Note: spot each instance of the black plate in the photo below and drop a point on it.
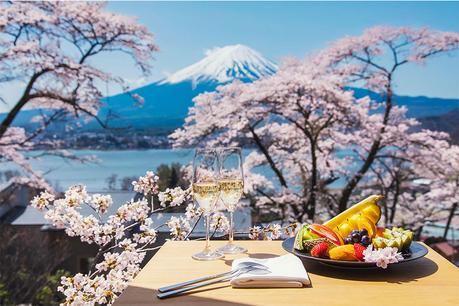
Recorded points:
(417, 251)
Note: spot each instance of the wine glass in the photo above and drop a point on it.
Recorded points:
(231, 181)
(206, 191)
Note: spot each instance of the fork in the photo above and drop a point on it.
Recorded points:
(243, 265)
(230, 274)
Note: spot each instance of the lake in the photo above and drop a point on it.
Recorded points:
(62, 173)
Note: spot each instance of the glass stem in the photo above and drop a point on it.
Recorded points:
(231, 228)
(207, 249)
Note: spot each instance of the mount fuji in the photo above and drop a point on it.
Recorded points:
(166, 102)
(225, 64)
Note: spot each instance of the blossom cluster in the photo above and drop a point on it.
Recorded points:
(219, 222)
(192, 211)
(174, 196)
(272, 231)
(101, 203)
(43, 200)
(111, 277)
(123, 237)
(382, 257)
(147, 184)
(180, 228)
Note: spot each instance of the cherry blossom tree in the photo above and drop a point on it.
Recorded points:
(435, 195)
(51, 49)
(372, 60)
(411, 167)
(296, 103)
(309, 130)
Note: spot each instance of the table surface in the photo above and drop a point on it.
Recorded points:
(431, 280)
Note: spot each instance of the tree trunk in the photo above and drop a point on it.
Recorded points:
(265, 152)
(311, 205)
(417, 234)
(6, 123)
(450, 217)
(375, 147)
(385, 208)
(394, 204)
(273, 165)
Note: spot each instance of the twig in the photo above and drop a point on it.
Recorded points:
(194, 226)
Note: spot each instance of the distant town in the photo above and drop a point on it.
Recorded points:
(119, 139)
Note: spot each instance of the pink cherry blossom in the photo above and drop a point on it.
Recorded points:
(304, 125)
(51, 47)
(179, 227)
(382, 257)
(148, 184)
(123, 238)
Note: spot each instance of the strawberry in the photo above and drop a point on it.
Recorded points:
(358, 250)
(320, 250)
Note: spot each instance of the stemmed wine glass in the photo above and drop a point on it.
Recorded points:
(206, 192)
(231, 181)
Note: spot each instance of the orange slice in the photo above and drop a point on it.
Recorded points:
(343, 252)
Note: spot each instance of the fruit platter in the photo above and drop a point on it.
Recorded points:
(353, 239)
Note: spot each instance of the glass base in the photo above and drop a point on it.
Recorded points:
(232, 249)
(207, 255)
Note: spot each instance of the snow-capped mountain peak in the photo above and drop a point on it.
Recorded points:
(224, 65)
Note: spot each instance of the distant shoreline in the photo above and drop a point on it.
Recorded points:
(107, 149)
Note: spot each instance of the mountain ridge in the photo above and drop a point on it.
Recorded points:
(167, 101)
(448, 122)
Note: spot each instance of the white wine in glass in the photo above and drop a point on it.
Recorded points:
(231, 192)
(231, 181)
(206, 195)
(206, 192)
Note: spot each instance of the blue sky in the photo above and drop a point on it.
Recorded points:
(184, 30)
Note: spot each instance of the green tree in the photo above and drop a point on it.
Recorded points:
(171, 176)
(48, 294)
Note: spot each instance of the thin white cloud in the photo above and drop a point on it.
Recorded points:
(209, 51)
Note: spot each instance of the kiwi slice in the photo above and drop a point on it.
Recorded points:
(378, 242)
(407, 238)
(298, 245)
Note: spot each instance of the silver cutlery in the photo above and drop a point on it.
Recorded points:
(177, 289)
(180, 285)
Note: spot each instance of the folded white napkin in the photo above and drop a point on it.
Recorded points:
(283, 272)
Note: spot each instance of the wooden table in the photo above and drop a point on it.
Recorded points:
(429, 281)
